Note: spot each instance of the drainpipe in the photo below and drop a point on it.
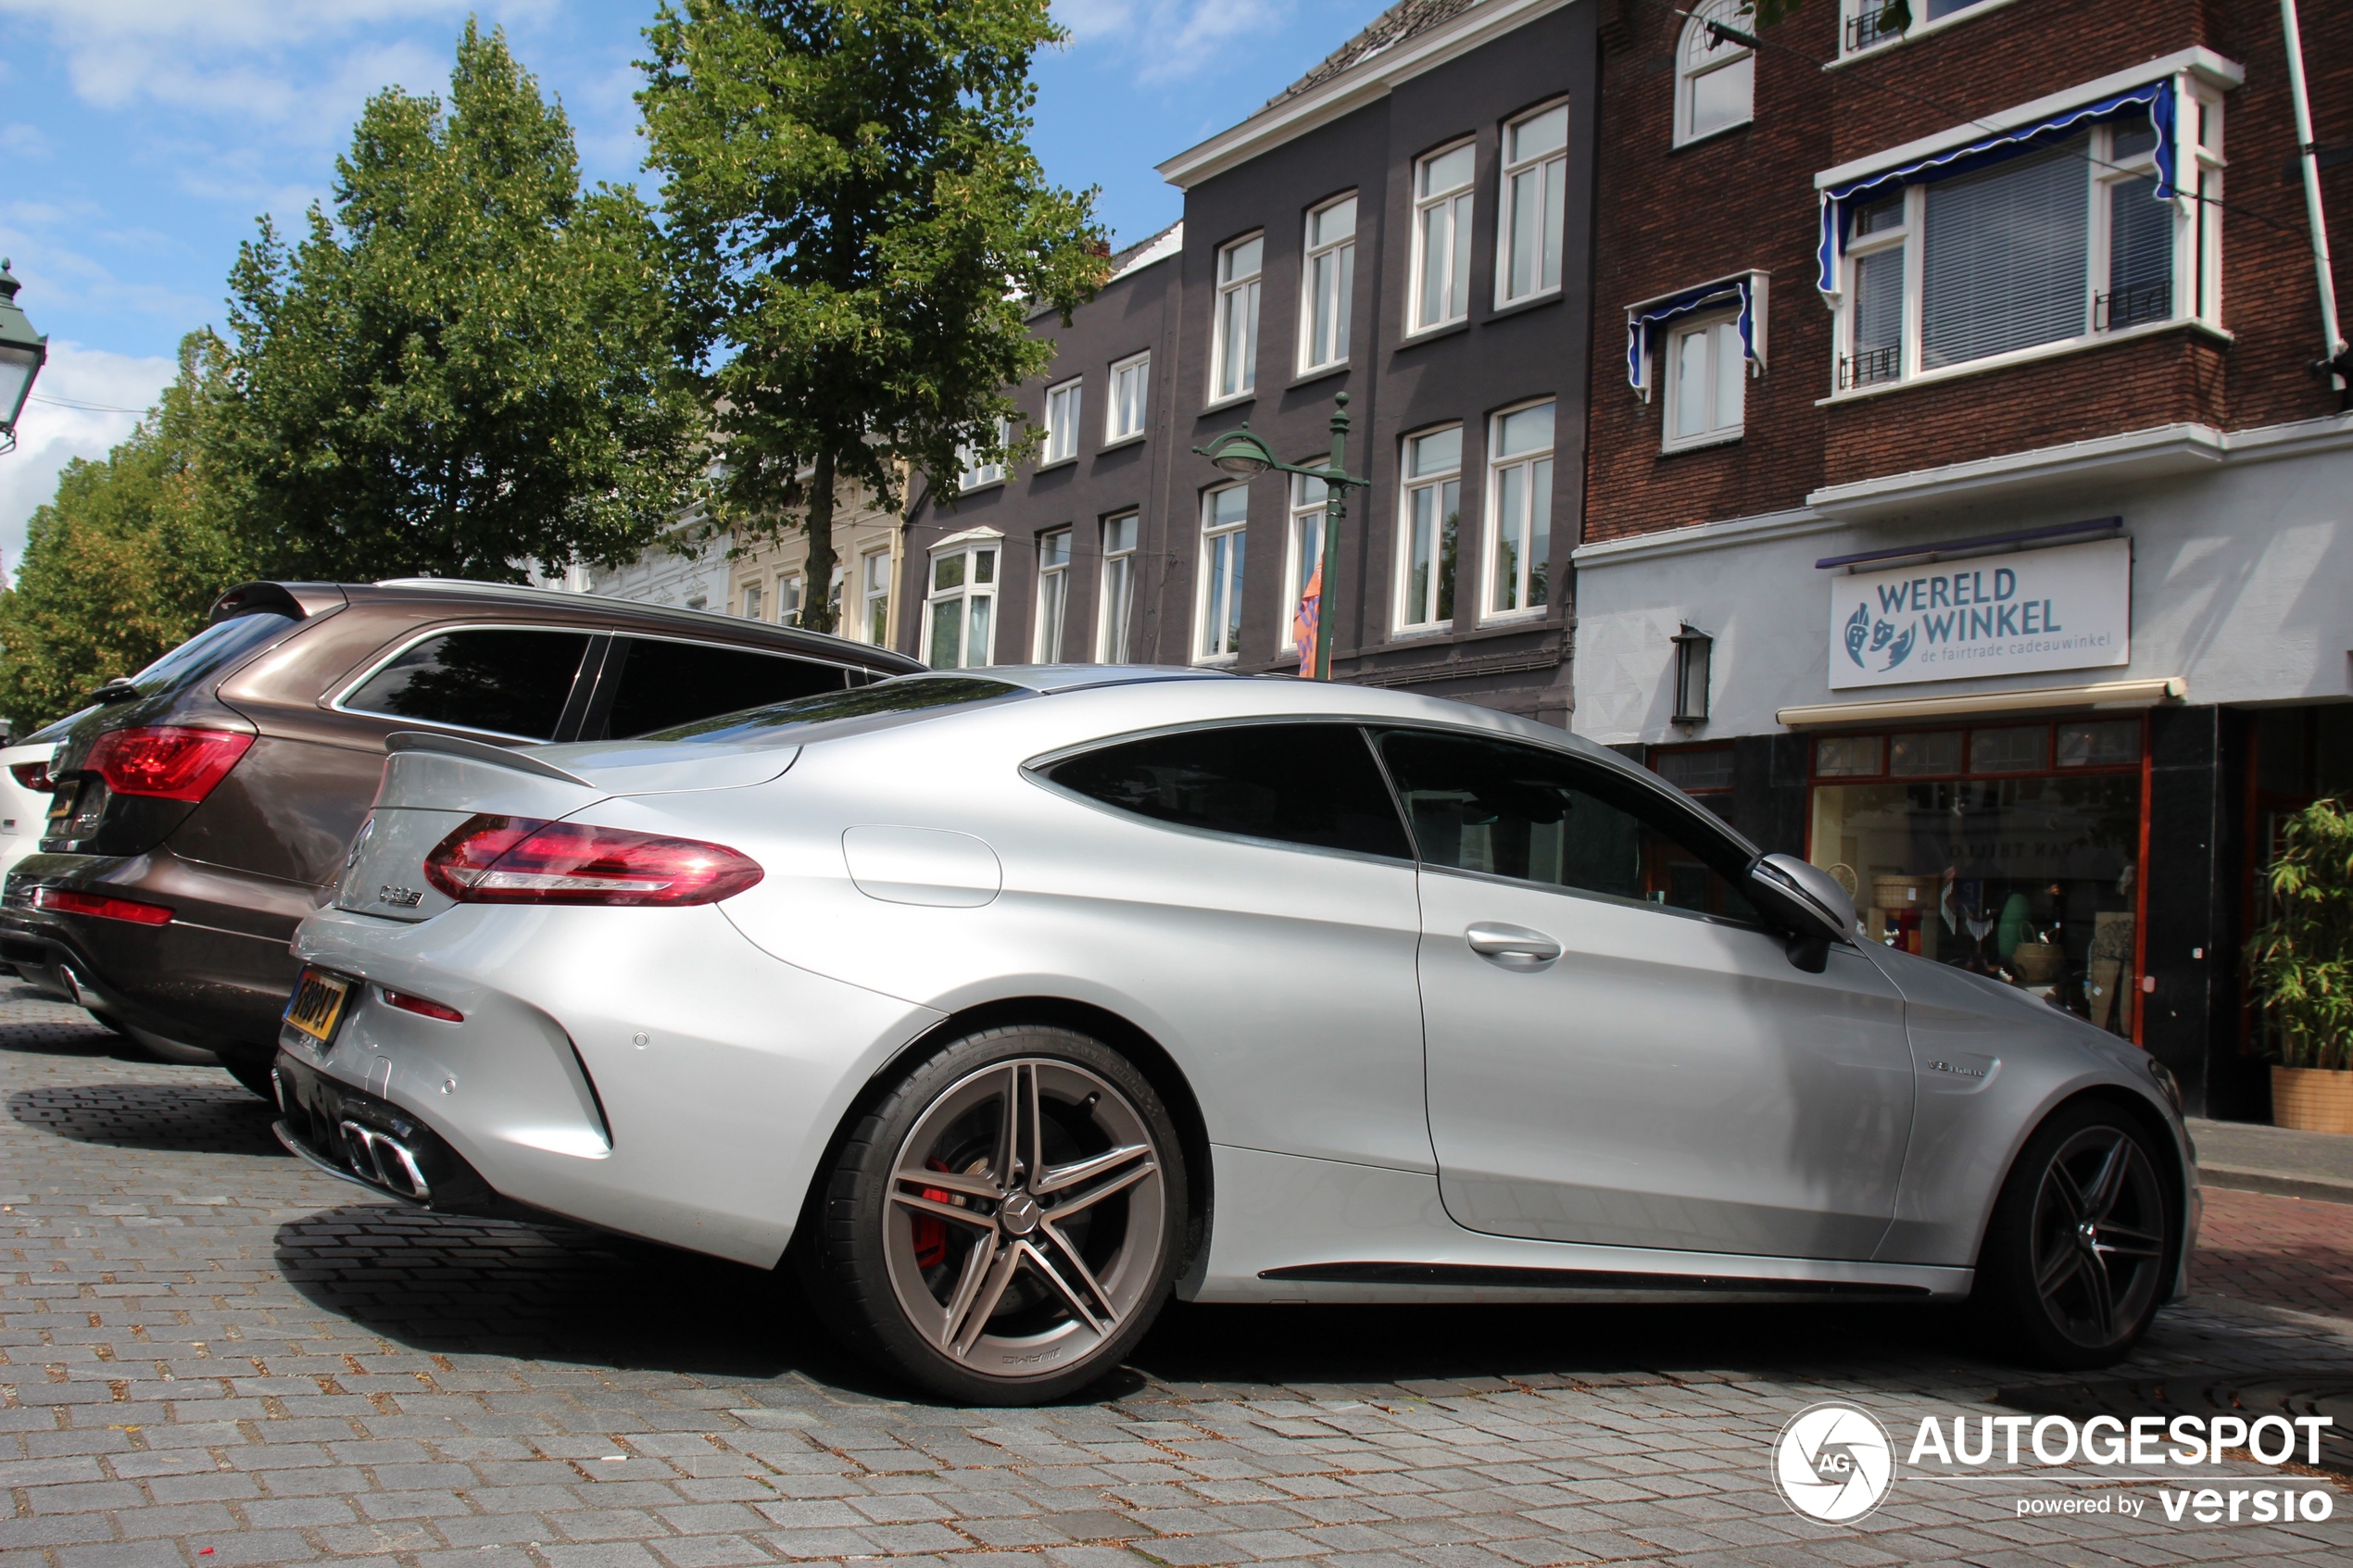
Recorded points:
(2309, 159)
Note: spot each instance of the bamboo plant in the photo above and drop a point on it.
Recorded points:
(2300, 963)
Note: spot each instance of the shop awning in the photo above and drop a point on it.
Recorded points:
(2033, 699)
(2155, 98)
(1746, 289)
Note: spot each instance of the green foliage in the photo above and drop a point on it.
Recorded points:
(124, 564)
(468, 367)
(2301, 961)
(858, 233)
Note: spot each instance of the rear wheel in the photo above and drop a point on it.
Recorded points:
(2076, 1256)
(1004, 1225)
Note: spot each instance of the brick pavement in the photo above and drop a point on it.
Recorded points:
(213, 1356)
(2287, 1251)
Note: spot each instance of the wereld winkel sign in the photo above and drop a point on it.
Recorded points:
(2065, 609)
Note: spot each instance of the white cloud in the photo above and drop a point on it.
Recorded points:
(1168, 40)
(23, 142)
(49, 436)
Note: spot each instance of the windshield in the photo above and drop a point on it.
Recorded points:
(909, 696)
(210, 650)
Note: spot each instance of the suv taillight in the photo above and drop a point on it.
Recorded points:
(167, 761)
(523, 860)
(33, 776)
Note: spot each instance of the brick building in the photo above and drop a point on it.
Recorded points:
(1966, 513)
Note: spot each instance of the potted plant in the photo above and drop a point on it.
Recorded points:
(2300, 967)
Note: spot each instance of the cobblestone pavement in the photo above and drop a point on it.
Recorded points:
(215, 1356)
(2287, 1251)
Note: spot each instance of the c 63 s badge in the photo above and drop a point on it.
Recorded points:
(1833, 1462)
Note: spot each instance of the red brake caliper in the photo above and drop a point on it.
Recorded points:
(931, 1233)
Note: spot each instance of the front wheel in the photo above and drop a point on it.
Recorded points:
(1004, 1225)
(2076, 1256)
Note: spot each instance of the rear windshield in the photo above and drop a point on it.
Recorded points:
(909, 696)
(213, 648)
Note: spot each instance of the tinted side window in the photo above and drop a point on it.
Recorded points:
(213, 648)
(514, 682)
(664, 683)
(1481, 805)
(1301, 784)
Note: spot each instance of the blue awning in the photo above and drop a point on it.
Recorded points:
(1838, 201)
(1746, 289)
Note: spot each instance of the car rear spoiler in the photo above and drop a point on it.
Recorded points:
(299, 601)
(516, 761)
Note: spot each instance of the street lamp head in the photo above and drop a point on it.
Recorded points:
(22, 353)
(1239, 453)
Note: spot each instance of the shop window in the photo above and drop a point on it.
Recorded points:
(2023, 867)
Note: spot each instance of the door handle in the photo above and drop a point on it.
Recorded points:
(1514, 945)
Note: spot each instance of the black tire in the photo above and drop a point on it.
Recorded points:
(981, 1290)
(162, 1046)
(2084, 1240)
(253, 1072)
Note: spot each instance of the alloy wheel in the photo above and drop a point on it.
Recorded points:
(1025, 1217)
(2098, 1236)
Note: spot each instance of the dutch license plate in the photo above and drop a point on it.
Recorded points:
(318, 1003)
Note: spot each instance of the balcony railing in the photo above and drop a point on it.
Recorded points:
(2130, 306)
(1863, 30)
(1868, 366)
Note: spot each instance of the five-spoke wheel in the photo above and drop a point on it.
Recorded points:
(1005, 1223)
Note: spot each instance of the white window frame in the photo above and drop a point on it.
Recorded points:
(1302, 547)
(1671, 352)
(976, 474)
(1462, 202)
(1695, 58)
(1405, 615)
(1552, 221)
(1238, 292)
(983, 553)
(1214, 589)
(875, 574)
(1115, 611)
(1065, 406)
(751, 597)
(1053, 597)
(1850, 10)
(789, 590)
(2197, 272)
(1492, 530)
(1141, 365)
(1341, 253)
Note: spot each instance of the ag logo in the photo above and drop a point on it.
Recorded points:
(1833, 1462)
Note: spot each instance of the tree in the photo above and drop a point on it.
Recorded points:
(468, 367)
(859, 232)
(125, 563)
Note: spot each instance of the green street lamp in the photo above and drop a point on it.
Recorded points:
(1245, 456)
(22, 353)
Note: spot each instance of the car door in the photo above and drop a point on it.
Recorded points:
(1620, 1052)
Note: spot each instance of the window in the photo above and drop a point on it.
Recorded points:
(1234, 354)
(1433, 512)
(1061, 420)
(1225, 517)
(1521, 811)
(1870, 23)
(661, 683)
(2049, 247)
(1304, 550)
(788, 600)
(980, 471)
(751, 601)
(1706, 382)
(1328, 282)
(506, 680)
(874, 577)
(1119, 589)
(1705, 769)
(1519, 483)
(1315, 785)
(958, 612)
(1535, 187)
(1714, 78)
(1442, 238)
(1053, 594)
(1131, 381)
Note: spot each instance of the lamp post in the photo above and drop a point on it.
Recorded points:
(22, 353)
(1245, 456)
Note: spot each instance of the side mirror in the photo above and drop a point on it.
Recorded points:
(1806, 903)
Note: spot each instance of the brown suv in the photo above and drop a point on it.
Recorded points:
(203, 805)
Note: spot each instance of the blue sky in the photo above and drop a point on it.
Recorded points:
(139, 139)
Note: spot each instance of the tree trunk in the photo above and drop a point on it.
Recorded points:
(817, 600)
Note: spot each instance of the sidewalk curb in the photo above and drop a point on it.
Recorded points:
(2278, 1184)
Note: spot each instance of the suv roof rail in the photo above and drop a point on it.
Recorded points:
(299, 601)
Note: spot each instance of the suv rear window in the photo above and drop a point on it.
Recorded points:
(506, 680)
(664, 683)
(213, 648)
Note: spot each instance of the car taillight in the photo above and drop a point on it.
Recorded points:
(167, 761)
(33, 776)
(423, 1008)
(64, 901)
(522, 860)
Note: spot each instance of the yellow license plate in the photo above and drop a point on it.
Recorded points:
(318, 1002)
